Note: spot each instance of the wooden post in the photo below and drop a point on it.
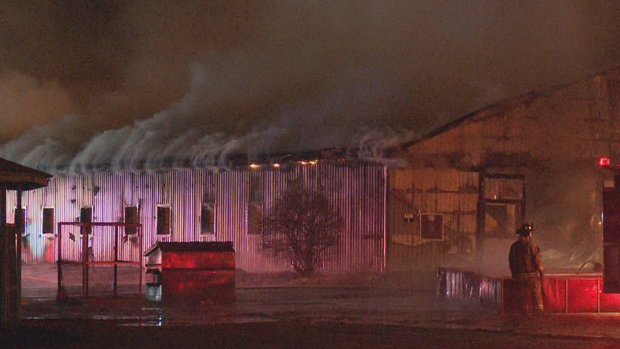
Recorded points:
(140, 259)
(480, 218)
(4, 265)
(84, 260)
(59, 293)
(19, 231)
(115, 258)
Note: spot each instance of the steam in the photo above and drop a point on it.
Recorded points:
(373, 147)
(566, 205)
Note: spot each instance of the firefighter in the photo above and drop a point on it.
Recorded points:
(527, 271)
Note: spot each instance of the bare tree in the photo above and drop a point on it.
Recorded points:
(301, 226)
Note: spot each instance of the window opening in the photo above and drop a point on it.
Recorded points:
(86, 216)
(207, 219)
(163, 220)
(48, 221)
(131, 217)
(431, 226)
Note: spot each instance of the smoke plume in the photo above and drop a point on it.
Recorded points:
(133, 82)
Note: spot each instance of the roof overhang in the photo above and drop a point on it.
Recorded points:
(16, 176)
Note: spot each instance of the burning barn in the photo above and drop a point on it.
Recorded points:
(462, 193)
(226, 203)
(471, 183)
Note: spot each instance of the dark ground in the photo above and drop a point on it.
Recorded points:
(284, 311)
(281, 334)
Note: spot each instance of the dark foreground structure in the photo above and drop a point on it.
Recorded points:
(288, 334)
(16, 178)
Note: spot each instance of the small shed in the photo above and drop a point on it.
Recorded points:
(190, 272)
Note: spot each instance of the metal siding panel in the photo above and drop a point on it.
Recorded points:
(71, 212)
(150, 196)
(209, 191)
(355, 189)
(230, 212)
(129, 247)
(35, 246)
(107, 207)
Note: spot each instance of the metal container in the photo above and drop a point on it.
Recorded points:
(194, 272)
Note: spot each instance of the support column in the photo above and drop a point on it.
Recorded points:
(19, 231)
(4, 265)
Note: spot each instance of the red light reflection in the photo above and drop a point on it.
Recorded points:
(604, 162)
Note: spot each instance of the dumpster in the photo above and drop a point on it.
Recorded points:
(190, 272)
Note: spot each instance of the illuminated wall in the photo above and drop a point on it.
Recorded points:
(229, 199)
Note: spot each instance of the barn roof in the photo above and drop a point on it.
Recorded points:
(16, 176)
(498, 108)
(492, 110)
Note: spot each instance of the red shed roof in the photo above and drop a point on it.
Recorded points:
(212, 246)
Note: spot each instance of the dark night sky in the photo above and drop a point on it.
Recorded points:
(110, 81)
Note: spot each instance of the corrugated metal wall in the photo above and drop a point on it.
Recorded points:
(447, 192)
(356, 189)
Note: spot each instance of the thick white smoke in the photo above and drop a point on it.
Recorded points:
(145, 82)
(189, 133)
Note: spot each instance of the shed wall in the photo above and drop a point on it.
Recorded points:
(357, 190)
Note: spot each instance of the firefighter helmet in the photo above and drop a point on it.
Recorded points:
(525, 229)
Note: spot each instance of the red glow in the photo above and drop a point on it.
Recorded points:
(555, 294)
(604, 162)
(582, 295)
(610, 302)
(198, 260)
(564, 295)
(184, 285)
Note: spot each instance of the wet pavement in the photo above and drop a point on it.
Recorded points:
(287, 311)
(384, 306)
